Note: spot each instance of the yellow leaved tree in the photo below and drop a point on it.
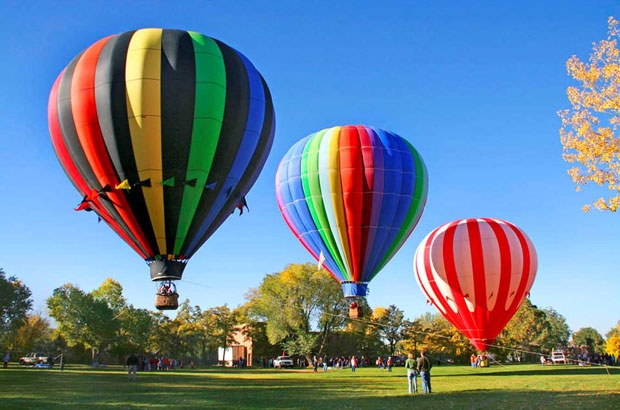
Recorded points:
(589, 127)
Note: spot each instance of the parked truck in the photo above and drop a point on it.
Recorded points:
(33, 359)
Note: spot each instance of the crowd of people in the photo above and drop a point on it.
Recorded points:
(158, 363)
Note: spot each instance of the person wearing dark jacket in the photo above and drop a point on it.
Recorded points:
(132, 367)
(424, 368)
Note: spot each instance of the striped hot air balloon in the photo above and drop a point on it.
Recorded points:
(352, 195)
(163, 132)
(477, 272)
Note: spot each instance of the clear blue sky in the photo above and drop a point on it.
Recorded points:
(475, 86)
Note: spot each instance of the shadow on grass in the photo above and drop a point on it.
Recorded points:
(260, 389)
(548, 370)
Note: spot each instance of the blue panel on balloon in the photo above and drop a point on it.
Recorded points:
(352, 290)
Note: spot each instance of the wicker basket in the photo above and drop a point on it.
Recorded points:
(354, 312)
(167, 302)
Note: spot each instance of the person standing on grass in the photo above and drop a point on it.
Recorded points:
(353, 363)
(424, 368)
(132, 367)
(7, 357)
(412, 374)
(390, 363)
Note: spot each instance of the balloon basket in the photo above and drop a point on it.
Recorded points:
(167, 302)
(354, 311)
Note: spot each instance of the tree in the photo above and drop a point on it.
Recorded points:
(82, 319)
(134, 329)
(590, 337)
(589, 128)
(441, 338)
(559, 332)
(302, 306)
(133, 325)
(165, 338)
(193, 334)
(389, 323)
(15, 303)
(221, 322)
(111, 292)
(528, 330)
(613, 341)
(34, 335)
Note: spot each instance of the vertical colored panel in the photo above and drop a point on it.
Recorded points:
(416, 203)
(85, 116)
(248, 128)
(374, 163)
(351, 179)
(310, 172)
(256, 164)
(111, 103)
(232, 131)
(178, 89)
(207, 124)
(331, 191)
(143, 82)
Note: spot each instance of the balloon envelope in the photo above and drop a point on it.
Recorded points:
(163, 132)
(477, 272)
(352, 195)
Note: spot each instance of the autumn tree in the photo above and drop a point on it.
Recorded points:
(441, 338)
(612, 346)
(34, 335)
(589, 128)
(15, 303)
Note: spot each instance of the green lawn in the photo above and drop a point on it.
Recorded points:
(454, 387)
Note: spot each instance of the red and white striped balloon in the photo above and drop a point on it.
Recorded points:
(477, 272)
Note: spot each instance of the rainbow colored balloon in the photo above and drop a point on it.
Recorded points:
(352, 195)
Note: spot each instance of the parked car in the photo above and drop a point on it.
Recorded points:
(398, 360)
(558, 356)
(283, 361)
(33, 359)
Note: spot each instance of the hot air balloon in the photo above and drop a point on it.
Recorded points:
(163, 132)
(352, 195)
(477, 272)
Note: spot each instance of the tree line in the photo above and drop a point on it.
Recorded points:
(299, 310)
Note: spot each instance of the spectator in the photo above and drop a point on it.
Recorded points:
(132, 367)
(412, 374)
(424, 368)
(353, 363)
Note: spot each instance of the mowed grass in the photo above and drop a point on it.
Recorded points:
(454, 387)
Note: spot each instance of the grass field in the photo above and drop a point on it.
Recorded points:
(454, 387)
